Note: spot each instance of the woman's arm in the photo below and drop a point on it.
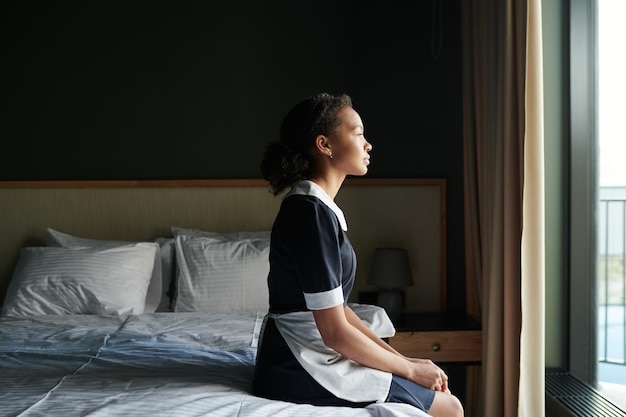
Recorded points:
(346, 333)
(357, 322)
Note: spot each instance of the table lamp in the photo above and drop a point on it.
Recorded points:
(390, 271)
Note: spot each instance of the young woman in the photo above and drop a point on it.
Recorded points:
(314, 349)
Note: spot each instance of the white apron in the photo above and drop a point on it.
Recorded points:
(341, 376)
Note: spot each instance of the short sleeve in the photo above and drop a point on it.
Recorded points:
(315, 250)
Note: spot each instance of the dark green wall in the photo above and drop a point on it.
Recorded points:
(195, 89)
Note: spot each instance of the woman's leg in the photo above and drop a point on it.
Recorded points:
(435, 403)
(446, 405)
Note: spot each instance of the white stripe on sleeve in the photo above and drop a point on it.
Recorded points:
(325, 299)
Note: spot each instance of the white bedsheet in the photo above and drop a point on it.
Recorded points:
(159, 364)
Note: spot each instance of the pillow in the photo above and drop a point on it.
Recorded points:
(157, 297)
(168, 271)
(265, 234)
(222, 276)
(56, 280)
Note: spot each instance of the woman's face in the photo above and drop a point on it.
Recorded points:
(350, 149)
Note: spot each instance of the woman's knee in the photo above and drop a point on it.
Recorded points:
(446, 405)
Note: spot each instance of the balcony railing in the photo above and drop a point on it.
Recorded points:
(612, 276)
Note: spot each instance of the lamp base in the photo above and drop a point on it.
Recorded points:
(392, 300)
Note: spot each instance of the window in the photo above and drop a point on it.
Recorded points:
(597, 217)
(611, 215)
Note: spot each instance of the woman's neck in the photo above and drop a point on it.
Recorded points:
(329, 184)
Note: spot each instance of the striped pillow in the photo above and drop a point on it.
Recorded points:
(56, 280)
(156, 297)
(222, 275)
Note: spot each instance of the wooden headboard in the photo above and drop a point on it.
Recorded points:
(407, 213)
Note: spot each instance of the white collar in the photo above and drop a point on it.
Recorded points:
(307, 187)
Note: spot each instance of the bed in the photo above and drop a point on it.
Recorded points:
(147, 298)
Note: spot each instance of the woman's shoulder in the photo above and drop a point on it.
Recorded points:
(305, 207)
(301, 200)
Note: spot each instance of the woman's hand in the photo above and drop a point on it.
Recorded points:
(425, 373)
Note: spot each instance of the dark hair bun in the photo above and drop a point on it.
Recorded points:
(282, 166)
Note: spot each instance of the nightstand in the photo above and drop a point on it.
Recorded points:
(452, 341)
(441, 337)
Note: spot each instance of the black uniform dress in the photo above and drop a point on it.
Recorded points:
(310, 253)
(312, 266)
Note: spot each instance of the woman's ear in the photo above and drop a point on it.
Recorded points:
(322, 144)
